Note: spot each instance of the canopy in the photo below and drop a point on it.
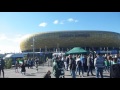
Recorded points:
(76, 50)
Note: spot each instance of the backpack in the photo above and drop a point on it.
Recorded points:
(115, 71)
(79, 64)
(67, 60)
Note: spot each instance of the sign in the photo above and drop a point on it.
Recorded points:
(75, 35)
(41, 54)
(103, 51)
(114, 52)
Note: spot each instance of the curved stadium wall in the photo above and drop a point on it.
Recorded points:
(70, 39)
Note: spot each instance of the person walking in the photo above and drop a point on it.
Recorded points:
(73, 68)
(67, 63)
(23, 70)
(99, 65)
(56, 70)
(2, 65)
(16, 66)
(82, 60)
(85, 63)
(106, 65)
(36, 64)
(90, 65)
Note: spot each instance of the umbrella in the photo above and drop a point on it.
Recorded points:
(76, 50)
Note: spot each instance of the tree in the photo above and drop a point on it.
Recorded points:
(8, 63)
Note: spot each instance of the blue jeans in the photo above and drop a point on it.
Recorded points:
(99, 70)
(89, 70)
(73, 74)
(80, 69)
(67, 66)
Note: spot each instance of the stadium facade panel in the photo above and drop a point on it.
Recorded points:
(70, 39)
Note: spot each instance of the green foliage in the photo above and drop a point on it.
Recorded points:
(8, 63)
(25, 58)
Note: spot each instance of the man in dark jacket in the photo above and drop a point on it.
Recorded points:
(36, 64)
(115, 71)
(90, 64)
(2, 65)
(67, 63)
(73, 68)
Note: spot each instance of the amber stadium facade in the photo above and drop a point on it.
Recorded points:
(65, 40)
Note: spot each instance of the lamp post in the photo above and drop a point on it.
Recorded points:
(33, 46)
(89, 50)
(53, 50)
(40, 49)
(93, 53)
(45, 49)
(107, 50)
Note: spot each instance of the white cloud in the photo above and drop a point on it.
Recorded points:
(70, 19)
(11, 43)
(9, 49)
(56, 22)
(18, 35)
(43, 24)
(3, 37)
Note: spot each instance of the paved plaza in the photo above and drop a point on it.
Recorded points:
(31, 73)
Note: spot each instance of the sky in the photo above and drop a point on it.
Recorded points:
(15, 26)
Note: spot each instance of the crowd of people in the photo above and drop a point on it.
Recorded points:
(80, 64)
(76, 64)
(21, 64)
(29, 63)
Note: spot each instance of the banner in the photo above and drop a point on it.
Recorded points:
(114, 52)
(103, 51)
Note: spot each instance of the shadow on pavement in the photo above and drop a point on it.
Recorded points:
(32, 74)
(41, 72)
(106, 76)
(42, 67)
(67, 75)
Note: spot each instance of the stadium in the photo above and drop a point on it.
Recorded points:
(65, 40)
